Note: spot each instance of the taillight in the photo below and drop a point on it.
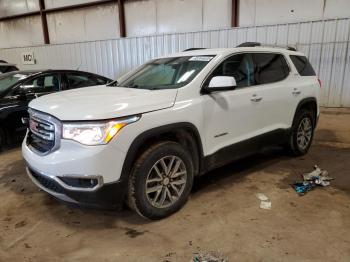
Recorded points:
(319, 82)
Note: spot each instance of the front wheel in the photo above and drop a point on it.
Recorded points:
(302, 133)
(161, 180)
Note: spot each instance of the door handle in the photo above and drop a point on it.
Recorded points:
(296, 91)
(256, 98)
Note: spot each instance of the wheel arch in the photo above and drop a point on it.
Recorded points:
(184, 133)
(307, 103)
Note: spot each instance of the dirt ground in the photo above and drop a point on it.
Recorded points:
(221, 215)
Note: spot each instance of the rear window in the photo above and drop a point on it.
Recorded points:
(302, 65)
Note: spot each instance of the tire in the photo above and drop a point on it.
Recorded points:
(149, 175)
(302, 133)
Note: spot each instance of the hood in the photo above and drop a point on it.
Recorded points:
(103, 102)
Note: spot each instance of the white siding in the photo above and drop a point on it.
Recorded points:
(21, 32)
(179, 16)
(60, 3)
(92, 23)
(141, 18)
(14, 7)
(261, 12)
(216, 14)
(326, 43)
(150, 17)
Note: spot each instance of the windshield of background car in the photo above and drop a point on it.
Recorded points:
(167, 73)
(9, 79)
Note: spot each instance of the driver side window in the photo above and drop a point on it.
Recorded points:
(240, 66)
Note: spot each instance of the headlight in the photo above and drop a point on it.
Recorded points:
(95, 133)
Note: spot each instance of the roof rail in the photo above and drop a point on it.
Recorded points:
(193, 48)
(249, 44)
(291, 48)
(254, 44)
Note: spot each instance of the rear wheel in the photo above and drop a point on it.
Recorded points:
(161, 180)
(302, 133)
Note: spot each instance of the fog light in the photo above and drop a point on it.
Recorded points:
(80, 182)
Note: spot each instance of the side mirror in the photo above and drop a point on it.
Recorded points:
(221, 83)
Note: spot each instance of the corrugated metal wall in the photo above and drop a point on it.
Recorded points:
(325, 42)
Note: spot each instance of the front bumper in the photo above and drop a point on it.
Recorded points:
(75, 161)
(109, 195)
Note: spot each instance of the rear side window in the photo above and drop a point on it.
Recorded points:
(270, 68)
(302, 65)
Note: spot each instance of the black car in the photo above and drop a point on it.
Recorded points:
(6, 67)
(18, 88)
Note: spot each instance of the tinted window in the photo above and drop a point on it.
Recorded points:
(302, 65)
(240, 66)
(6, 69)
(270, 68)
(43, 84)
(77, 80)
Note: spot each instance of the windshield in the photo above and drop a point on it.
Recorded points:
(166, 73)
(9, 79)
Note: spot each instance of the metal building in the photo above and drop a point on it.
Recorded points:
(325, 42)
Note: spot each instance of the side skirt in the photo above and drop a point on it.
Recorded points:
(243, 149)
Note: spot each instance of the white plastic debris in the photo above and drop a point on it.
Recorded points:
(265, 203)
(319, 176)
(262, 197)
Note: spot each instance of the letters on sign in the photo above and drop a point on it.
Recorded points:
(28, 58)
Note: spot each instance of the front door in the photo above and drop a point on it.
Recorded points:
(232, 116)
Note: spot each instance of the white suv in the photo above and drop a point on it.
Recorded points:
(143, 139)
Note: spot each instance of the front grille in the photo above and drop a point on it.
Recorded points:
(47, 182)
(38, 143)
(41, 134)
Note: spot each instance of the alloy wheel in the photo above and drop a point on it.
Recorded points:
(304, 133)
(166, 181)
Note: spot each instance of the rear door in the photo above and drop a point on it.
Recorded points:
(273, 92)
(305, 80)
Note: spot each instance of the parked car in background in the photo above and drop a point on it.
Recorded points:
(18, 88)
(143, 139)
(6, 67)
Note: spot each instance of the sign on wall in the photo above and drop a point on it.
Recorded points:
(28, 58)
